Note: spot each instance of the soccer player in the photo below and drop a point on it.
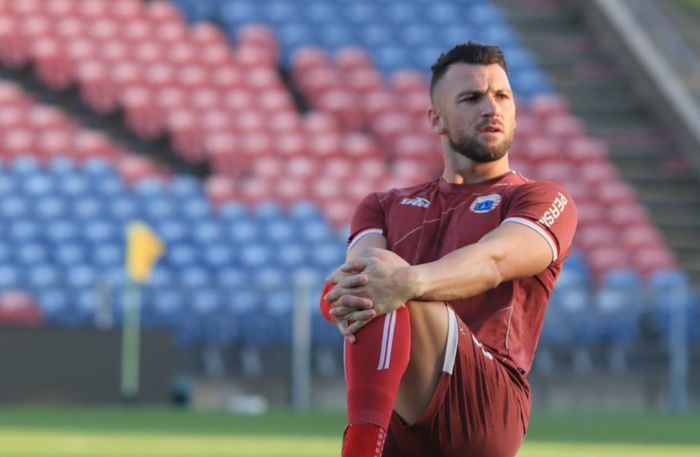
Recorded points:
(444, 290)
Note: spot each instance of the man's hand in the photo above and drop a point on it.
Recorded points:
(375, 282)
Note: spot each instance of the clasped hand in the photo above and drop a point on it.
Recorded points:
(374, 283)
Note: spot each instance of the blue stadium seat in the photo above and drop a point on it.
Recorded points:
(255, 255)
(70, 254)
(43, 276)
(218, 255)
(21, 230)
(172, 230)
(9, 185)
(108, 254)
(49, 208)
(31, 253)
(12, 207)
(243, 232)
(619, 313)
(62, 231)
(193, 277)
(304, 211)
(291, 255)
(207, 231)
(233, 211)
(36, 184)
(280, 232)
(232, 279)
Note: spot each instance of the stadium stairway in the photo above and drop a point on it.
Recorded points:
(598, 91)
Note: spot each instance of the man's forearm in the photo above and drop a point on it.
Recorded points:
(463, 273)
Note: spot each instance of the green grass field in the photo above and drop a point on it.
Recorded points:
(140, 432)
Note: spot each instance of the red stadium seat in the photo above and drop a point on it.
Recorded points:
(599, 173)
(565, 127)
(317, 122)
(360, 146)
(260, 36)
(186, 135)
(17, 142)
(205, 33)
(307, 59)
(626, 214)
(290, 189)
(89, 143)
(325, 145)
(352, 58)
(614, 192)
(160, 12)
(52, 64)
(590, 213)
(545, 105)
(374, 169)
(134, 168)
(339, 211)
(14, 48)
(408, 82)
(222, 150)
(339, 168)
(285, 122)
(62, 8)
(343, 106)
(255, 190)
(290, 145)
(541, 149)
(586, 150)
(54, 143)
(363, 80)
(561, 172)
(126, 10)
(70, 28)
(640, 236)
(603, 259)
(590, 237)
(141, 112)
(650, 260)
(216, 56)
(18, 308)
(417, 104)
(220, 189)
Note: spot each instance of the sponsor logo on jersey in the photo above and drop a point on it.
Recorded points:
(555, 210)
(486, 203)
(418, 201)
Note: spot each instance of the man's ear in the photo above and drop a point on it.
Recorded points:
(437, 123)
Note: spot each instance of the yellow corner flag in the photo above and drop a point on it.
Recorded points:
(143, 249)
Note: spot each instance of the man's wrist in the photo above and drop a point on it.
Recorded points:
(410, 277)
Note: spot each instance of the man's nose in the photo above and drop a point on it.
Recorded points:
(489, 106)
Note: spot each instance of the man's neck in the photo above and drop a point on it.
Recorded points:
(473, 172)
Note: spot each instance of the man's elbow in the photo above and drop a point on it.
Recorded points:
(494, 274)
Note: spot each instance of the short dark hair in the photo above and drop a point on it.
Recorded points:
(470, 52)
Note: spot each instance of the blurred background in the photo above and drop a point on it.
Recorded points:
(244, 132)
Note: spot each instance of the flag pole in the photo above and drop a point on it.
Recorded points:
(131, 341)
(143, 249)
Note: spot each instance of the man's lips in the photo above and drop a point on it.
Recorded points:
(491, 128)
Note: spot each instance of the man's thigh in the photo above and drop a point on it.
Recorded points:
(478, 407)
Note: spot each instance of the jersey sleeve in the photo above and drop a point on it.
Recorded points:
(368, 218)
(549, 210)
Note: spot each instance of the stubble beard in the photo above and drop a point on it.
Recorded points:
(474, 150)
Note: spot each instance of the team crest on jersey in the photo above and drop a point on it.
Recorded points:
(485, 203)
(418, 201)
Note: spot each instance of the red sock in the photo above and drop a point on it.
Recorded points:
(374, 365)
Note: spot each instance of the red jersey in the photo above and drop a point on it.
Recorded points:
(424, 223)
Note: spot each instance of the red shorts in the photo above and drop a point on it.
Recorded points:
(480, 407)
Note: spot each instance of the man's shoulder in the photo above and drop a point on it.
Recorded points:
(416, 192)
